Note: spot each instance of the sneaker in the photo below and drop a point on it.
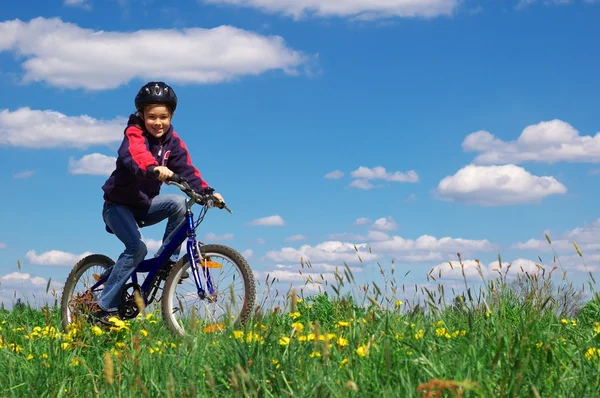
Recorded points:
(101, 317)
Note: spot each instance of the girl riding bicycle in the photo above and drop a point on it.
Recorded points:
(149, 154)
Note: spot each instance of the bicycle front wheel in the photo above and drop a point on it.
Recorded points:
(185, 312)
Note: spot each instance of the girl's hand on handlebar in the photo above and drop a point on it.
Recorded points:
(163, 173)
(218, 196)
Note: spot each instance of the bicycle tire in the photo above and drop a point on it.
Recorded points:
(207, 250)
(83, 265)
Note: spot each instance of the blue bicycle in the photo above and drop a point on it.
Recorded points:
(187, 304)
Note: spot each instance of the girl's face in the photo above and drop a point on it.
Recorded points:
(157, 119)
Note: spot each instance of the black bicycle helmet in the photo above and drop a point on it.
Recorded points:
(156, 93)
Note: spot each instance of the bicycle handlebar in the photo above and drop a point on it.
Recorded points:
(206, 199)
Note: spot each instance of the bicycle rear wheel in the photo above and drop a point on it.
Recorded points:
(77, 298)
(185, 312)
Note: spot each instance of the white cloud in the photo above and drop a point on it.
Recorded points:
(475, 270)
(260, 241)
(328, 251)
(424, 248)
(78, 3)
(362, 184)
(31, 289)
(362, 221)
(270, 221)
(54, 257)
(427, 247)
(377, 236)
(212, 237)
(294, 238)
(498, 185)
(545, 142)
(380, 173)
(360, 9)
(334, 175)
(93, 163)
(48, 129)
(586, 237)
(25, 174)
(18, 276)
(152, 245)
(247, 253)
(68, 56)
(364, 175)
(524, 3)
(385, 224)
(3, 245)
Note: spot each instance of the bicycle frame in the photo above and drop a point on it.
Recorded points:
(153, 265)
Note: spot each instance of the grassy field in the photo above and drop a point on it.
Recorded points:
(498, 341)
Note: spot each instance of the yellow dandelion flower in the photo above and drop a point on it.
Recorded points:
(238, 334)
(315, 354)
(362, 350)
(399, 303)
(294, 315)
(97, 331)
(75, 362)
(419, 334)
(564, 321)
(343, 323)
(144, 332)
(65, 346)
(342, 342)
(284, 340)
(298, 326)
(30, 357)
(592, 354)
(343, 362)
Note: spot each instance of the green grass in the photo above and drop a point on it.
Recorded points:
(497, 342)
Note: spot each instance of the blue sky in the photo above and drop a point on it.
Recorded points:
(451, 126)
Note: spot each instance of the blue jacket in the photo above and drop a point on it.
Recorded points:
(133, 183)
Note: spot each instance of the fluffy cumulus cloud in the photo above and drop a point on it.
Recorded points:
(29, 288)
(65, 55)
(54, 258)
(31, 128)
(363, 177)
(377, 244)
(548, 142)
(497, 185)
(334, 175)
(85, 4)
(474, 270)
(587, 238)
(361, 9)
(94, 163)
(524, 3)
(328, 252)
(385, 224)
(269, 221)
(295, 238)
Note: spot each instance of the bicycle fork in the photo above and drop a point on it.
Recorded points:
(198, 262)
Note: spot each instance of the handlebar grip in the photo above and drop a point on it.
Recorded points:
(175, 177)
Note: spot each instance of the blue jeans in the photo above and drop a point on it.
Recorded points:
(123, 221)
